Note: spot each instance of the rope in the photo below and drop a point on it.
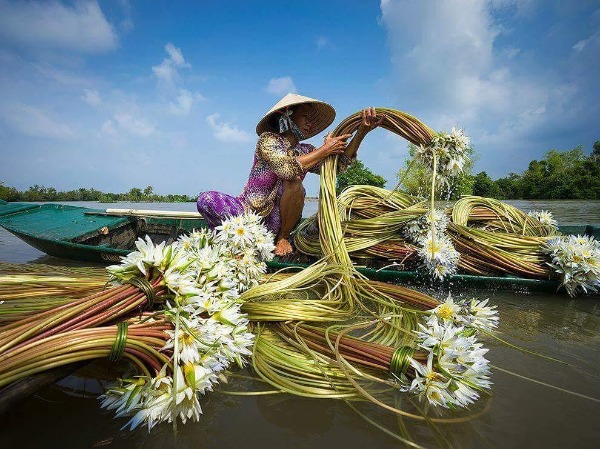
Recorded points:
(146, 287)
(401, 360)
(118, 347)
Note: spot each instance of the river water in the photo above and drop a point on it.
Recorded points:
(521, 413)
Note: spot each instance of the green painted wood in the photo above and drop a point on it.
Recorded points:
(12, 208)
(56, 221)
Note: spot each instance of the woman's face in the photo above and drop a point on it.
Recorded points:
(301, 118)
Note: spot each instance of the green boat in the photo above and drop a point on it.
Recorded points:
(93, 235)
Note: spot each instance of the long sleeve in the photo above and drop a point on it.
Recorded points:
(343, 160)
(273, 152)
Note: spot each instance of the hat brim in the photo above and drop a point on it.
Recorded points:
(321, 115)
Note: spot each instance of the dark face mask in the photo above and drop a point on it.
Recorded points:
(287, 124)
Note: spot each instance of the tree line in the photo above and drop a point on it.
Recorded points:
(570, 174)
(558, 175)
(41, 193)
(567, 174)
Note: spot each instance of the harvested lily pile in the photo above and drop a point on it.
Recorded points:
(358, 338)
(479, 236)
(182, 314)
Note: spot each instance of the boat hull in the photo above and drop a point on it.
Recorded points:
(83, 234)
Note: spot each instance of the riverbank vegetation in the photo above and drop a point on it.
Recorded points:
(41, 193)
(558, 175)
(358, 174)
(570, 174)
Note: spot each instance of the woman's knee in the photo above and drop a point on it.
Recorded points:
(204, 201)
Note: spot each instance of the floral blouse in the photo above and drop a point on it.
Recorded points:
(275, 161)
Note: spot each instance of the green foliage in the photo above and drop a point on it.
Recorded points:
(596, 151)
(559, 175)
(414, 179)
(41, 193)
(358, 174)
(8, 193)
(483, 185)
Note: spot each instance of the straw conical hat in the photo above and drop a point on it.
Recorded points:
(321, 114)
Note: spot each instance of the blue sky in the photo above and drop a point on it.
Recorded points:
(117, 94)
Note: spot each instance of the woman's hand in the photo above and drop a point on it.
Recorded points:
(370, 120)
(334, 145)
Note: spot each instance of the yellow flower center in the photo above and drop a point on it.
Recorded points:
(445, 312)
(187, 339)
(431, 376)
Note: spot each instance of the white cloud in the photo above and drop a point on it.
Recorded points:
(91, 97)
(579, 46)
(324, 42)
(81, 27)
(175, 55)
(184, 102)
(109, 128)
(281, 86)
(134, 125)
(34, 122)
(167, 71)
(130, 123)
(450, 69)
(225, 132)
(60, 76)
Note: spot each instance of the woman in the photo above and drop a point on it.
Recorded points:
(274, 189)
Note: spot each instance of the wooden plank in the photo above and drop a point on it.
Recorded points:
(151, 213)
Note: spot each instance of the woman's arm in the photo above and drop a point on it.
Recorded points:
(332, 145)
(338, 145)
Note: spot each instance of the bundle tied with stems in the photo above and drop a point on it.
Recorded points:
(388, 322)
(192, 328)
(479, 236)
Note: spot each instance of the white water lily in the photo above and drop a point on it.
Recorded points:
(429, 384)
(450, 151)
(448, 310)
(436, 250)
(456, 369)
(475, 314)
(577, 260)
(484, 317)
(439, 256)
(205, 273)
(544, 217)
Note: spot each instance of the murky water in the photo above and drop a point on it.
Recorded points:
(520, 414)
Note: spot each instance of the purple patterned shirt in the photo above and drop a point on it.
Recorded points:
(275, 161)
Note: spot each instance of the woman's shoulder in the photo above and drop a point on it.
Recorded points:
(269, 139)
(269, 135)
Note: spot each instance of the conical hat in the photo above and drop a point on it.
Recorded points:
(320, 116)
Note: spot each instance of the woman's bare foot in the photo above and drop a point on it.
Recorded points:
(283, 247)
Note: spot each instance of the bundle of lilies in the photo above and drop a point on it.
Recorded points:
(479, 236)
(173, 311)
(443, 365)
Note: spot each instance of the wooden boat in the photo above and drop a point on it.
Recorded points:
(95, 235)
